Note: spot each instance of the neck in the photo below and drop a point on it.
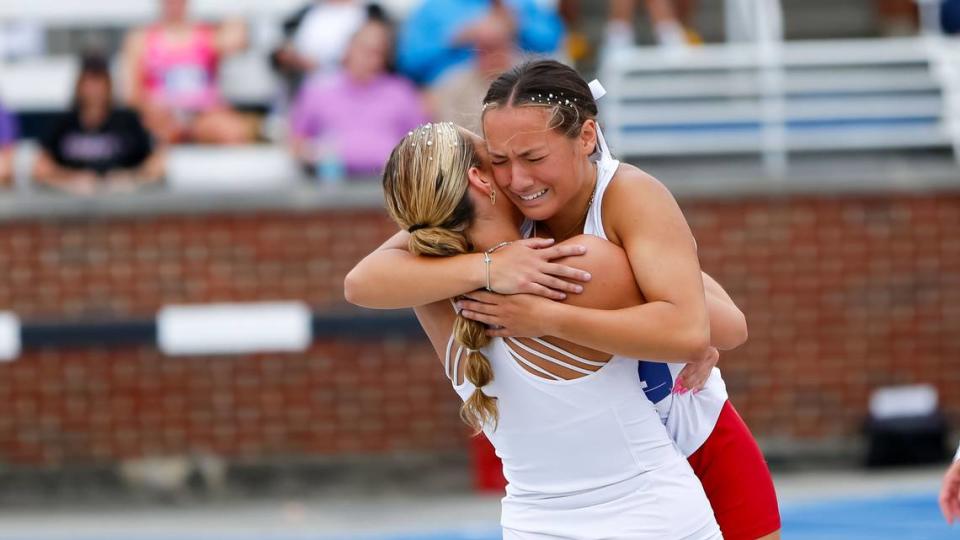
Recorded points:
(489, 230)
(361, 79)
(569, 221)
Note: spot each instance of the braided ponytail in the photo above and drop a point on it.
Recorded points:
(425, 188)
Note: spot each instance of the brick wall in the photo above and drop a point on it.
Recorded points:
(842, 295)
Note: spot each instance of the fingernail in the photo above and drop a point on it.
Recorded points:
(563, 296)
(578, 289)
(586, 276)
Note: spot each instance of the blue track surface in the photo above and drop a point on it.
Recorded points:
(897, 517)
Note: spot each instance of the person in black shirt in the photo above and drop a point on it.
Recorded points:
(95, 147)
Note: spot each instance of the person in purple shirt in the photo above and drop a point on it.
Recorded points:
(358, 114)
(8, 136)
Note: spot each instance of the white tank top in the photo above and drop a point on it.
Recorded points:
(689, 418)
(586, 457)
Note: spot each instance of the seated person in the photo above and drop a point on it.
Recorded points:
(95, 147)
(316, 38)
(441, 34)
(458, 96)
(170, 71)
(8, 137)
(360, 113)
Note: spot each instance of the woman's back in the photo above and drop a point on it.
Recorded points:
(584, 452)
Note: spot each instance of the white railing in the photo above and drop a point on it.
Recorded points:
(759, 94)
(800, 96)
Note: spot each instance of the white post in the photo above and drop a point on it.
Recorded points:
(929, 17)
(768, 32)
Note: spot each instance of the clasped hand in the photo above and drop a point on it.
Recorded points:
(526, 266)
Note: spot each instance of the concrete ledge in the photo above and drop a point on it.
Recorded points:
(688, 178)
(407, 473)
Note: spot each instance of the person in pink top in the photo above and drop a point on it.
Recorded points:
(170, 70)
(359, 113)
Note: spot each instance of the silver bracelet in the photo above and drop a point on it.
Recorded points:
(487, 260)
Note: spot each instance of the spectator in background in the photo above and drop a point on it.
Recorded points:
(170, 73)
(950, 16)
(355, 117)
(458, 96)
(316, 38)
(8, 136)
(950, 491)
(897, 17)
(95, 147)
(441, 34)
(671, 19)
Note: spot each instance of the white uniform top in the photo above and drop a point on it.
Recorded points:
(689, 418)
(586, 458)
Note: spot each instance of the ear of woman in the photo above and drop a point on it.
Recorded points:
(588, 137)
(479, 181)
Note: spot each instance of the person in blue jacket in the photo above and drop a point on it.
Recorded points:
(441, 34)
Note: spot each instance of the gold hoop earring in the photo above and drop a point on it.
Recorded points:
(493, 197)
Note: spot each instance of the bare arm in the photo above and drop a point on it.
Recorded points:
(672, 326)
(131, 55)
(728, 326)
(149, 172)
(47, 172)
(153, 169)
(6, 165)
(231, 37)
(391, 277)
(950, 491)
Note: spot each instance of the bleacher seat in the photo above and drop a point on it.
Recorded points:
(203, 168)
(811, 96)
(231, 168)
(115, 13)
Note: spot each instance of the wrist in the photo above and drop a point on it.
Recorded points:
(553, 319)
(477, 271)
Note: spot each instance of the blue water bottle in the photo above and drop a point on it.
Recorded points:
(329, 166)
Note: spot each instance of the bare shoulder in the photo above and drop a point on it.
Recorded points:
(589, 241)
(133, 42)
(630, 181)
(635, 201)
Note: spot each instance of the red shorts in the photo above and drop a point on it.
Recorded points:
(736, 479)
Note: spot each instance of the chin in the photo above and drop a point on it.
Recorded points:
(539, 212)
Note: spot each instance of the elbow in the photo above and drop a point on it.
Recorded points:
(352, 291)
(733, 334)
(742, 333)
